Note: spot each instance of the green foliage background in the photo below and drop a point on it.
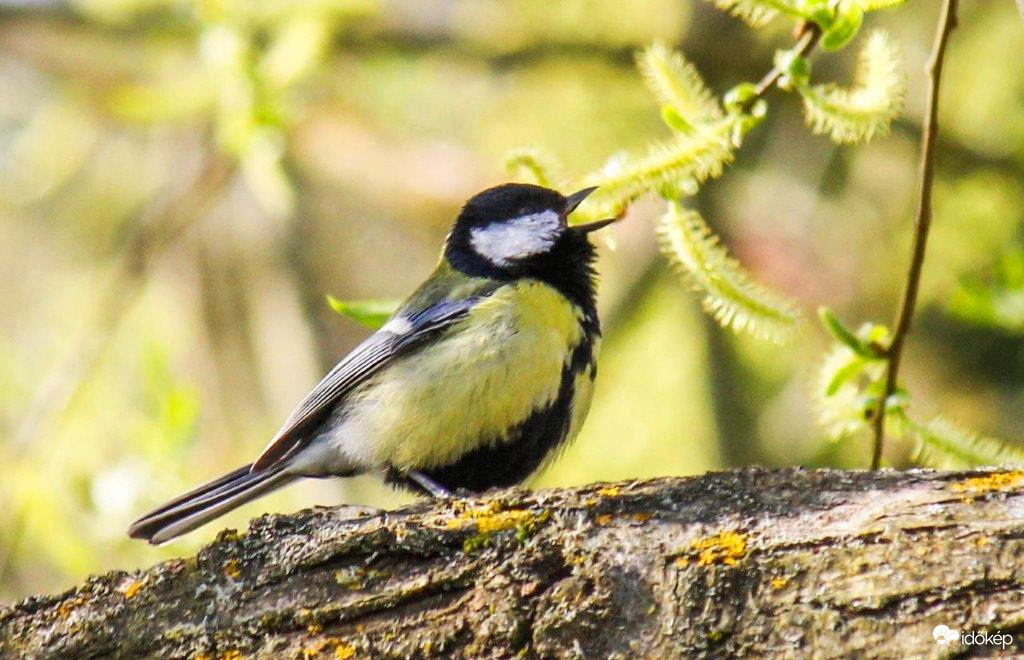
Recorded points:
(133, 367)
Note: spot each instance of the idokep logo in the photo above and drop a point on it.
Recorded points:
(946, 637)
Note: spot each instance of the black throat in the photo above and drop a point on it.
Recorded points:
(568, 267)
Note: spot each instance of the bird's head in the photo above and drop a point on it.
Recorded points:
(516, 227)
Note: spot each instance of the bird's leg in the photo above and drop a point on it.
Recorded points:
(429, 485)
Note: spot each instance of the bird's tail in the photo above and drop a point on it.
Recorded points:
(209, 501)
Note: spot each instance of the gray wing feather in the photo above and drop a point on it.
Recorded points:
(375, 353)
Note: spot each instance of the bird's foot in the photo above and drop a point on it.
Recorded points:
(429, 485)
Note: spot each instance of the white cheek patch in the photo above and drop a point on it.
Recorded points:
(527, 235)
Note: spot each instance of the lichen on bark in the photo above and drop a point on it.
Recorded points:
(787, 563)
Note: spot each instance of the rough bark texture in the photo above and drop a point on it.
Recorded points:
(752, 563)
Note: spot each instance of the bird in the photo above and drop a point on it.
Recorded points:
(476, 380)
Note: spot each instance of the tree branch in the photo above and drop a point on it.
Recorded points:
(749, 563)
(922, 224)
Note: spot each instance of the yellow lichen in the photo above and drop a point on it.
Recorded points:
(67, 607)
(231, 568)
(990, 482)
(314, 649)
(493, 518)
(779, 582)
(604, 519)
(131, 588)
(327, 644)
(233, 654)
(723, 548)
(610, 491)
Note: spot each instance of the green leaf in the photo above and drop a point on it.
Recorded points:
(795, 67)
(846, 337)
(838, 395)
(745, 121)
(843, 29)
(845, 374)
(942, 443)
(738, 95)
(730, 295)
(868, 108)
(676, 83)
(532, 165)
(823, 15)
(371, 313)
(675, 120)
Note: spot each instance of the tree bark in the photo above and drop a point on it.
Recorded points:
(751, 563)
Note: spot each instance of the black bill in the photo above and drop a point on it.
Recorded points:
(575, 199)
(592, 226)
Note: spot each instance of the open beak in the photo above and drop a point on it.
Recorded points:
(592, 226)
(574, 200)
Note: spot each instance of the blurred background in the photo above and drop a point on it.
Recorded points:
(182, 183)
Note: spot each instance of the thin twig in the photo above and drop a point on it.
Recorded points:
(808, 37)
(930, 129)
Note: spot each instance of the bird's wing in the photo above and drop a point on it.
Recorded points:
(400, 335)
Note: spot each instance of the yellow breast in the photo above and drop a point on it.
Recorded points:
(486, 376)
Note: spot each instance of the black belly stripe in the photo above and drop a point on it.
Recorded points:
(521, 451)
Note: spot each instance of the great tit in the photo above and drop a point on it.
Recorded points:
(476, 379)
